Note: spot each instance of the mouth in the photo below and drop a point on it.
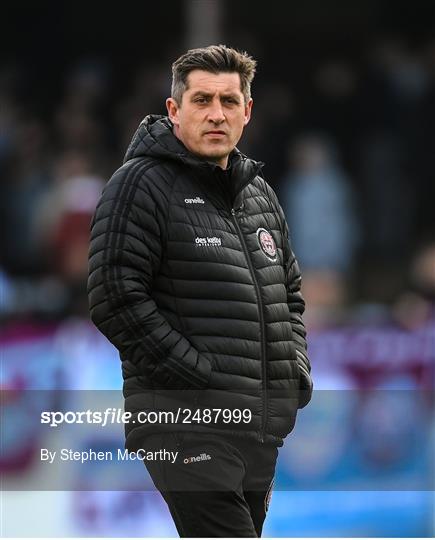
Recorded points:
(215, 133)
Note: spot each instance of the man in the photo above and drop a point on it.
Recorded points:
(193, 280)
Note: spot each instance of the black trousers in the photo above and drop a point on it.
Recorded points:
(219, 486)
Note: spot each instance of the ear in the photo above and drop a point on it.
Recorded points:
(248, 110)
(172, 107)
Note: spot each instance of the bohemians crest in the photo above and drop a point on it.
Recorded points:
(266, 243)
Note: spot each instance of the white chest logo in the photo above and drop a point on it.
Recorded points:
(266, 243)
(196, 200)
(208, 241)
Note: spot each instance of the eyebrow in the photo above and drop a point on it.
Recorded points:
(209, 95)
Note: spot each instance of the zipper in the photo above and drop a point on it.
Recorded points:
(262, 327)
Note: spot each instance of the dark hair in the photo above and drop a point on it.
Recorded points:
(215, 59)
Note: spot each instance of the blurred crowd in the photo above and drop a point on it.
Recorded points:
(349, 148)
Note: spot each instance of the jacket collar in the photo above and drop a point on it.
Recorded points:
(155, 138)
(226, 185)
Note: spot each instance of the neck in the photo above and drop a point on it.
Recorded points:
(222, 162)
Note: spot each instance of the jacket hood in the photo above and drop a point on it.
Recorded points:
(154, 138)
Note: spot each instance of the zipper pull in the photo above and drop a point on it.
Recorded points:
(239, 209)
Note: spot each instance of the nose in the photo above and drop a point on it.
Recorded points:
(216, 113)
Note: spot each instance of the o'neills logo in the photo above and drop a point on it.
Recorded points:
(193, 459)
(267, 244)
(196, 200)
(208, 241)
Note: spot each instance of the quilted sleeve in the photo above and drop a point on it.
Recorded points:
(127, 238)
(296, 304)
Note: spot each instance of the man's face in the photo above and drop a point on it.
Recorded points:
(212, 114)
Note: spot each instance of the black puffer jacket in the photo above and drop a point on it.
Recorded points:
(192, 278)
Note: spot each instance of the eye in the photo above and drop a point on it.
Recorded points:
(201, 99)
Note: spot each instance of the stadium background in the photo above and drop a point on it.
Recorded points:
(344, 118)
